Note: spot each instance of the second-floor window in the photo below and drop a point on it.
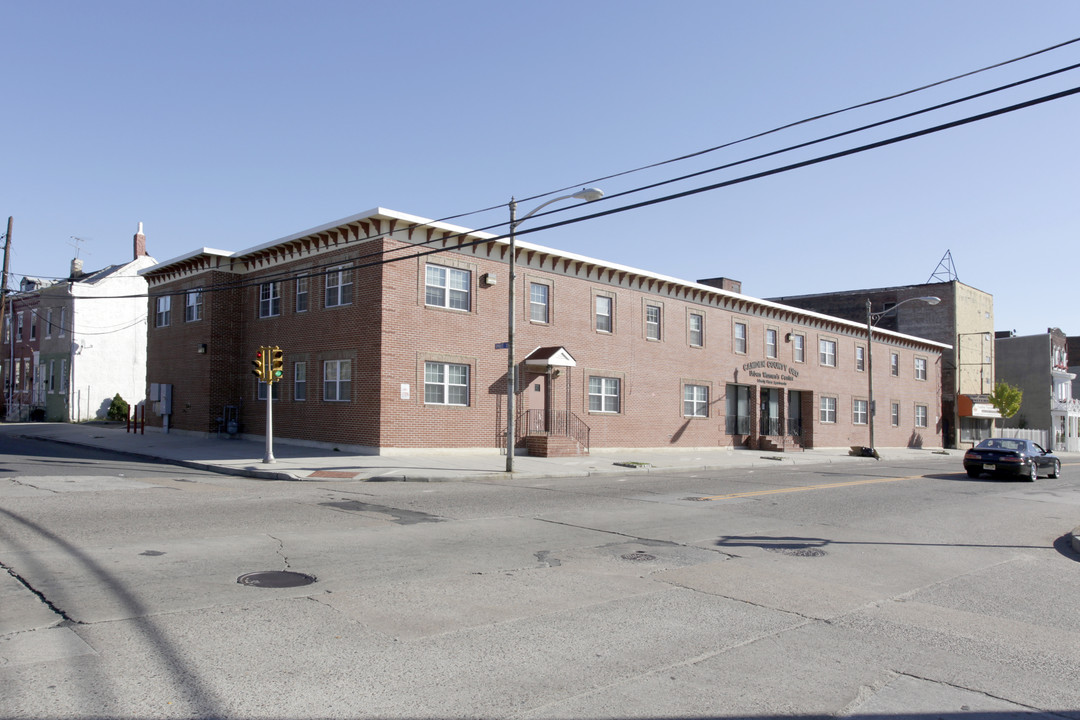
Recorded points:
(798, 348)
(447, 287)
(339, 286)
(740, 338)
(920, 368)
(894, 365)
(604, 314)
(827, 353)
(302, 293)
(538, 302)
(770, 343)
(161, 317)
(19, 327)
(270, 299)
(652, 322)
(697, 330)
(860, 358)
(193, 306)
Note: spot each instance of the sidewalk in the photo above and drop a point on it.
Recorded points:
(296, 462)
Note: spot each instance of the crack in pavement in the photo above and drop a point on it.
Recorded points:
(67, 620)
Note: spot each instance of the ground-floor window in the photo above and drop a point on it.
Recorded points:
(738, 410)
(975, 429)
(446, 384)
(695, 401)
(337, 380)
(604, 394)
(828, 410)
(300, 381)
(895, 414)
(859, 412)
(920, 416)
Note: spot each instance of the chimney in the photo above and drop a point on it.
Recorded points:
(76, 268)
(723, 283)
(140, 243)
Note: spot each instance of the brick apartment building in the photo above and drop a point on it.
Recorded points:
(390, 325)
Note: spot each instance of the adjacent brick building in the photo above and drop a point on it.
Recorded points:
(390, 325)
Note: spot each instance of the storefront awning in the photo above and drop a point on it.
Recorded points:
(977, 406)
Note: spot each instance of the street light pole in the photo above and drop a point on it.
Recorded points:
(586, 194)
(871, 318)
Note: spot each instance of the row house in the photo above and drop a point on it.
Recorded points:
(77, 342)
(1039, 366)
(394, 330)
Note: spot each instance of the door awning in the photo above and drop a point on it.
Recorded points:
(554, 356)
(977, 406)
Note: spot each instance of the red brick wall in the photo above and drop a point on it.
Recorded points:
(388, 333)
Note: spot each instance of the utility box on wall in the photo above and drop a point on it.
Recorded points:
(161, 397)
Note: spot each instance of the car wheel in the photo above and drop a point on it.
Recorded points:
(1055, 469)
(1034, 471)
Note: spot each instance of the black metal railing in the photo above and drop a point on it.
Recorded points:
(770, 426)
(794, 428)
(554, 422)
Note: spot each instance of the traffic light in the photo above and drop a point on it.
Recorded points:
(277, 364)
(258, 365)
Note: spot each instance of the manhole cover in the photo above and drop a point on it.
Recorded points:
(797, 550)
(639, 556)
(276, 579)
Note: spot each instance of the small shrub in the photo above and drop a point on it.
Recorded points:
(118, 409)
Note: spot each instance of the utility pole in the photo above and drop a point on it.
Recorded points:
(3, 279)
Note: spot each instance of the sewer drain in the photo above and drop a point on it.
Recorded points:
(797, 550)
(276, 579)
(639, 556)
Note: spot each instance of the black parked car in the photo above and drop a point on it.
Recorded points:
(1011, 456)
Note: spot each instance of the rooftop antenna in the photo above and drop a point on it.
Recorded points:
(945, 270)
(76, 244)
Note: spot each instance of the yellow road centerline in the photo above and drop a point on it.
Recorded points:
(777, 491)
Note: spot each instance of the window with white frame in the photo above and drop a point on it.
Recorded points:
(859, 412)
(193, 305)
(447, 287)
(827, 353)
(894, 364)
(300, 381)
(695, 401)
(921, 416)
(920, 368)
(48, 323)
(339, 286)
(538, 302)
(652, 322)
(161, 317)
(860, 358)
(604, 313)
(697, 330)
(446, 383)
(303, 283)
(798, 348)
(19, 327)
(33, 325)
(62, 328)
(337, 380)
(828, 410)
(770, 343)
(270, 299)
(740, 338)
(895, 414)
(260, 390)
(603, 394)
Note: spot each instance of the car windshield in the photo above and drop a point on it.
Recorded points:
(1002, 444)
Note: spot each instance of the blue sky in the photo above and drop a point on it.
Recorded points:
(230, 124)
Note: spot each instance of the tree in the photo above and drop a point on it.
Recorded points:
(1006, 398)
(118, 410)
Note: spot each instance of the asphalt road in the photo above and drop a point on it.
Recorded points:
(813, 591)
